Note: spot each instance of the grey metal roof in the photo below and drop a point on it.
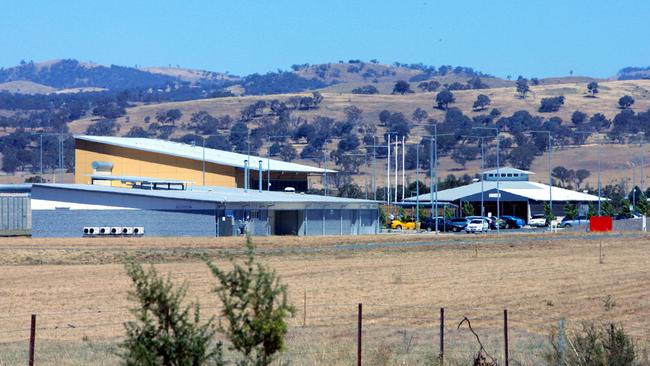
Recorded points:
(196, 153)
(16, 188)
(530, 190)
(506, 170)
(213, 194)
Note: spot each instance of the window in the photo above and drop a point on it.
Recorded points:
(509, 174)
(503, 175)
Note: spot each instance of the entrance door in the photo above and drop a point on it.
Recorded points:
(287, 222)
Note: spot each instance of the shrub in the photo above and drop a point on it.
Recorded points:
(166, 332)
(255, 306)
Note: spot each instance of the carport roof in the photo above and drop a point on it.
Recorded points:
(212, 194)
(530, 190)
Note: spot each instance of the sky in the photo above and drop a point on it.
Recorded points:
(533, 38)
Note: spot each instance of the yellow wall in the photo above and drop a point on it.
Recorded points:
(147, 164)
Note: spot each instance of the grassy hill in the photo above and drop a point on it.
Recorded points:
(503, 98)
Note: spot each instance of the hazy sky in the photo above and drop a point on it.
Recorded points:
(534, 38)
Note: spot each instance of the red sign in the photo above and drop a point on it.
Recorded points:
(600, 223)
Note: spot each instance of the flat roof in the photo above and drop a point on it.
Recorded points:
(213, 194)
(530, 190)
(215, 156)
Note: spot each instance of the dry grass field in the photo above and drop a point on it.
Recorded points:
(79, 291)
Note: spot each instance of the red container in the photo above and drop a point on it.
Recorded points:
(600, 223)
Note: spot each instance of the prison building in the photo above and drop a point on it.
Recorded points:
(97, 156)
(517, 195)
(76, 210)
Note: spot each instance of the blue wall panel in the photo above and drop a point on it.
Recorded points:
(70, 223)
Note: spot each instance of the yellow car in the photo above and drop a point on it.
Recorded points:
(402, 225)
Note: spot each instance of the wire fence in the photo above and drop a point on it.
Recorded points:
(327, 334)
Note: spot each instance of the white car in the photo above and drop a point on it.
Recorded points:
(538, 220)
(477, 226)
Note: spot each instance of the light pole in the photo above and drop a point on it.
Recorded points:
(481, 138)
(550, 181)
(598, 143)
(496, 129)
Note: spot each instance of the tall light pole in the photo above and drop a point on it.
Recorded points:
(598, 143)
(481, 138)
(550, 181)
(496, 129)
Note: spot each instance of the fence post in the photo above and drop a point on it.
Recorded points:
(505, 334)
(32, 340)
(304, 310)
(442, 336)
(359, 325)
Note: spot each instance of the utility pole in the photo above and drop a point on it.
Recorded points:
(550, 179)
(396, 165)
(417, 183)
(403, 168)
(496, 129)
(203, 162)
(388, 173)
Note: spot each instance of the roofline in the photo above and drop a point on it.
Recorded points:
(314, 170)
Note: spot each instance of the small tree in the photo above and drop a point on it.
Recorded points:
(592, 88)
(444, 98)
(570, 211)
(468, 209)
(255, 306)
(625, 209)
(625, 102)
(166, 332)
(607, 209)
(402, 87)
(481, 102)
(642, 204)
(522, 87)
(548, 214)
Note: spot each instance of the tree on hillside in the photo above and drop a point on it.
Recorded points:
(402, 87)
(522, 87)
(366, 89)
(551, 104)
(170, 116)
(481, 102)
(420, 115)
(625, 101)
(578, 118)
(429, 86)
(592, 88)
(444, 98)
(465, 153)
(522, 156)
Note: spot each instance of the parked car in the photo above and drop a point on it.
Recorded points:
(402, 225)
(538, 220)
(513, 222)
(477, 226)
(632, 215)
(429, 223)
(458, 224)
(492, 221)
(578, 220)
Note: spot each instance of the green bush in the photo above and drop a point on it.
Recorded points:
(604, 344)
(165, 331)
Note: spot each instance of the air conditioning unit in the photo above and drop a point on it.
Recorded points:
(127, 230)
(138, 230)
(104, 230)
(116, 230)
(93, 230)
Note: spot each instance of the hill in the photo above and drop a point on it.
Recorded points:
(334, 106)
(633, 73)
